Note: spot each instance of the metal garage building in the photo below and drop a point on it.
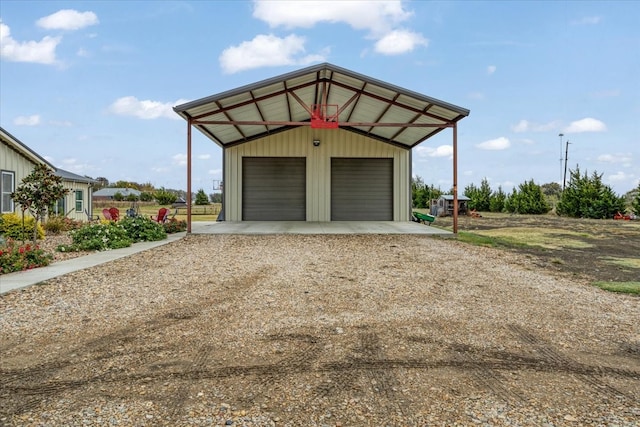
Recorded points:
(319, 144)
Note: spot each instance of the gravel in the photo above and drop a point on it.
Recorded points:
(290, 330)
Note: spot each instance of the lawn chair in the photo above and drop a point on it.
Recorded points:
(163, 214)
(115, 213)
(106, 214)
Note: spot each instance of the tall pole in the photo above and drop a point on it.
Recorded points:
(455, 178)
(566, 157)
(561, 135)
(189, 176)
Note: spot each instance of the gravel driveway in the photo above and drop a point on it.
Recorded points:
(338, 330)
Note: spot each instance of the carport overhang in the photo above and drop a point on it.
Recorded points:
(324, 96)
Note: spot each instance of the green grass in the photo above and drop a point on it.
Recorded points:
(489, 241)
(622, 287)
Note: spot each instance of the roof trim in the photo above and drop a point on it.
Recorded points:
(23, 149)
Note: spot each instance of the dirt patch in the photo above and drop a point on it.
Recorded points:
(593, 250)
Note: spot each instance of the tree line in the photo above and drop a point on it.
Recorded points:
(585, 196)
(148, 193)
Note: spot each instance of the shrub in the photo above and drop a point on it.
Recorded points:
(587, 197)
(164, 197)
(173, 225)
(60, 224)
(97, 237)
(142, 229)
(11, 226)
(15, 257)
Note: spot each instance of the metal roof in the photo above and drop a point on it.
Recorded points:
(70, 176)
(361, 104)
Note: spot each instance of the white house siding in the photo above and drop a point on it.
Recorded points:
(333, 143)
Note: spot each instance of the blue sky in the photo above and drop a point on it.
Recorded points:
(91, 85)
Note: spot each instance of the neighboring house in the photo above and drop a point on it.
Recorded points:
(17, 161)
(319, 144)
(109, 193)
(443, 206)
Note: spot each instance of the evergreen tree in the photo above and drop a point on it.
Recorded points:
(635, 204)
(588, 197)
(527, 199)
(201, 198)
(497, 201)
(480, 197)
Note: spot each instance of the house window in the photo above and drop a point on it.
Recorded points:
(7, 182)
(79, 201)
(59, 207)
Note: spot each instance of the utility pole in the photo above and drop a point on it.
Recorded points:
(566, 157)
(561, 135)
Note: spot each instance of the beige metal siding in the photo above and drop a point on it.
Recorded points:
(298, 142)
(12, 161)
(70, 200)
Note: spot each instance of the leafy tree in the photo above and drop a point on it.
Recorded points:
(635, 204)
(551, 189)
(480, 197)
(118, 197)
(146, 196)
(422, 194)
(215, 197)
(164, 197)
(39, 190)
(201, 198)
(527, 199)
(496, 202)
(588, 197)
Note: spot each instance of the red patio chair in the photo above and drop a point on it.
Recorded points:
(163, 214)
(106, 214)
(115, 213)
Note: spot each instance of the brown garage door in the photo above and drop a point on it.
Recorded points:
(274, 189)
(361, 189)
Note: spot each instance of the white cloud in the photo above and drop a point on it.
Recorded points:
(204, 156)
(68, 19)
(132, 106)
(620, 177)
(587, 20)
(624, 158)
(527, 126)
(501, 143)
(399, 41)
(180, 159)
(42, 52)
(32, 120)
(476, 95)
(379, 17)
(215, 172)
(491, 69)
(440, 151)
(586, 125)
(266, 51)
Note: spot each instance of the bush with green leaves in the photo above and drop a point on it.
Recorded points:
(587, 197)
(97, 237)
(635, 204)
(480, 197)
(14, 257)
(164, 197)
(421, 194)
(143, 229)
(173, 225)
(201, 198)
(12, 226)
(57, 224)
(496, 202)
(528, 198)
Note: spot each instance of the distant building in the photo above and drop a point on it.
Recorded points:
(109, 193)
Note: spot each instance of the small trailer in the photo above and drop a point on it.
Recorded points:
(423, 218)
